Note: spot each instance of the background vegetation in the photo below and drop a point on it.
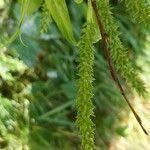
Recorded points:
(38, 84)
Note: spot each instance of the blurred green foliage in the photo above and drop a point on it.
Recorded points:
(38, 83)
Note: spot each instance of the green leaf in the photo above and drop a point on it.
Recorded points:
(33, 6)
(69, 89)
(59, 12)
(27, 53)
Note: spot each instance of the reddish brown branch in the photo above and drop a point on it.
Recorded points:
(105, 43)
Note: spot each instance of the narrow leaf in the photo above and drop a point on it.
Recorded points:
(33, 6)
(59, 12)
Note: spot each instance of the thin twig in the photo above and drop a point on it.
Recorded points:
(105, 42)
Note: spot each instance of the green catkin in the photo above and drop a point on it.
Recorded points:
(117, 50)
(139, 11)
(84, 103)
(45, 19)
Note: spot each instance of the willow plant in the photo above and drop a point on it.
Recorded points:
(99, 26)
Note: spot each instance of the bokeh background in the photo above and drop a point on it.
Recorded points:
(38, 85)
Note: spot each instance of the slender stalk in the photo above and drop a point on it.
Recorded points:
(105, 42)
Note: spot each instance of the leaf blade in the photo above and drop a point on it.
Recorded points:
(60, 14)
